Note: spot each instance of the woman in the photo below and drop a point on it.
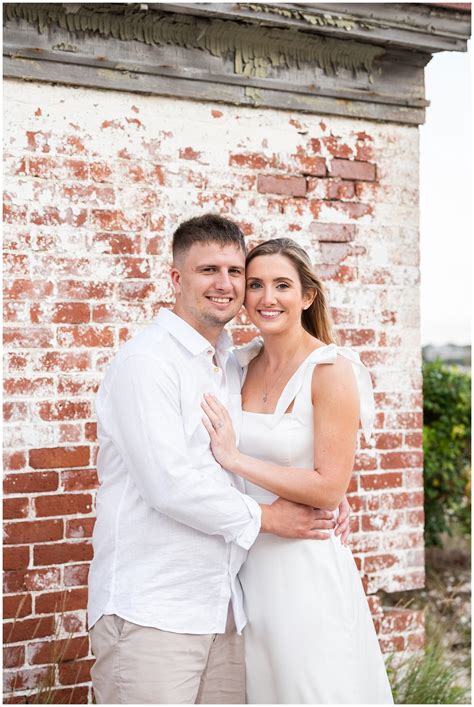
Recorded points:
(310, 637)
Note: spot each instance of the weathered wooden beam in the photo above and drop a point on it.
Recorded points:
(417, 26)
(129, 81)
(393, 91)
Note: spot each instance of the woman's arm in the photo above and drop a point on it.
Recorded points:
(335, 420)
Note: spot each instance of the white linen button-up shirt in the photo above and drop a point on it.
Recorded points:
(173, 528)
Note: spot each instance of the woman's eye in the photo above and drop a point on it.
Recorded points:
(282, 286)
(253, 285)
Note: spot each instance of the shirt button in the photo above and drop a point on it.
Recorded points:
(210, 352)
(217, 370)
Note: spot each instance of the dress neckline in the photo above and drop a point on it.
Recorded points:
(272, 414)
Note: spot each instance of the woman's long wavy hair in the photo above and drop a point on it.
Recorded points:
(317, 318)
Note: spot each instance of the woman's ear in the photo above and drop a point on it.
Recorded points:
(308, 298)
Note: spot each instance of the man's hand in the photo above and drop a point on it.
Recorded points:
(294, 520)
(343, 521)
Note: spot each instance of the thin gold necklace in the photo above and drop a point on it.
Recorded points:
(266, 392)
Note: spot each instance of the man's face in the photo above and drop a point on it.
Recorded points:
(209, 281)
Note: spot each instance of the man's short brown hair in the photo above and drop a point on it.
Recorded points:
(210, 228)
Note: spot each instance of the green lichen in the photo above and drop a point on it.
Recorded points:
(255, 49)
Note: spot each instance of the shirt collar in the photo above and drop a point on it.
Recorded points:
(187, 335)
(244, 354)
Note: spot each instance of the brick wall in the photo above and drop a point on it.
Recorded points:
(95, 184)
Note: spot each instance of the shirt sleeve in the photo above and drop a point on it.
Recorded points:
(144, 419)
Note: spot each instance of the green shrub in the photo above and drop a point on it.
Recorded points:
(446, 444)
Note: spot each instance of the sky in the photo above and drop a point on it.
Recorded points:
(446, 200)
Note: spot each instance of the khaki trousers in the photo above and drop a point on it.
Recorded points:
(140, 665)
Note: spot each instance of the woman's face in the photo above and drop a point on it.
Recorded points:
(273, 296)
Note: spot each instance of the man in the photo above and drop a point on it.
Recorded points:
(173, 528)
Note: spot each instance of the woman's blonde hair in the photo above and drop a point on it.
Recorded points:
(317, 318)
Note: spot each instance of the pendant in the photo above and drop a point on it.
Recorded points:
(265, 397)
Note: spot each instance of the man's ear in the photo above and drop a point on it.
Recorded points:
(175, 275)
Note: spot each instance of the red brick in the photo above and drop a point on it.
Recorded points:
(16, 606)
(64, 410)
(100, 171)
(386, 440)
(409, 420)
(351, 169)
(83, 335)
(13, 656)
(90, 431)
(381, 522)
(74, 386)
(28, 679)
(60, 553)
(58, 651)
(92, 195)
(12, 461)
(51, 216)
(415, 518)
(62, 504)
(334, 252)
(24, 289)
(15, 558)
(401, 500)
(62, 313)
(30, 482)
(32, 580)
(15, 412)
(336, 189)
(253, 160)
(109, 220)
(377, 563)
(335, 148)
(356, 337)
(394, 644)
(70, 695)
(291, 186)
(80, 528)
(85, 290)
(365, 462)
(28, 386)
(74, 622)
(15, 508)
(415, 641)
(27, 629)
(28, 337)
(371, 482)
(337, 273)
(75, 672)
(16, 264)
(43, 167)
(14, 214)
(76, 575)
(79, 480)
(58, 457)
(401, 460)
(59, 361)
(309, 165)
(414, 439)
(135, 268)
(141, 292)
(68, 600)
(70, 432)
(117, 243)
(75, 169)
(188, 153)
(353, 210)
(402, 620)
(33, 531)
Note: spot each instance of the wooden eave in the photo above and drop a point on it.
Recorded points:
(352, 61)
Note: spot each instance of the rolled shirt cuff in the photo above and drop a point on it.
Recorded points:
(250, 533)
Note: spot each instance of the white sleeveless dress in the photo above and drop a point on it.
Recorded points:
(310, 638)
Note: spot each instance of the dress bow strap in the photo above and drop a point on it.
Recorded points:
(327, 355)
